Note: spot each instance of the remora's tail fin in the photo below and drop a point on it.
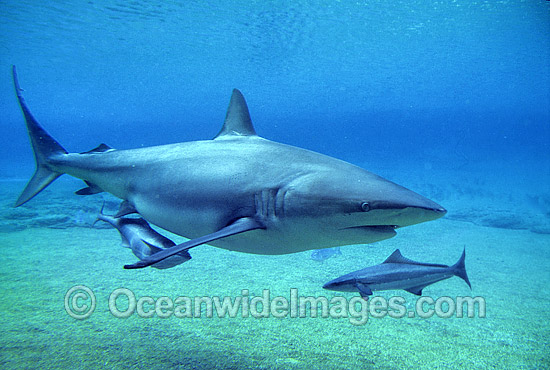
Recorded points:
(100, 216)
(44, 147)
(460, 269)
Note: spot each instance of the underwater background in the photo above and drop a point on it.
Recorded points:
(450, 99)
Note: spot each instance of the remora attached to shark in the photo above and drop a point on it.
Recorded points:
(138, 235)
(398, 272)
(238, 191)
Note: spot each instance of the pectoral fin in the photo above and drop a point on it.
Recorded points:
(239, 226)
(364, 290)
(155, 249)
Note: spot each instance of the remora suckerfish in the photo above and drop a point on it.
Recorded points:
(138, 235)
(398, 272)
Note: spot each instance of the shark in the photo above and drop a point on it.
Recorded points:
(140, 237)
(398, 272)
(237, 191)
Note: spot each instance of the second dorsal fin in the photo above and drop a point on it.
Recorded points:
(101, 148)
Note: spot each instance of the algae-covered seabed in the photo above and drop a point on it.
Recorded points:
(47, 248)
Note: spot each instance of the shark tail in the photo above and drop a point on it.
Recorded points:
(100, 216)
(44, 147)
(459, 269)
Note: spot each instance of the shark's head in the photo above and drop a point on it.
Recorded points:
(356, 206)
(327, 201)
(313, 201)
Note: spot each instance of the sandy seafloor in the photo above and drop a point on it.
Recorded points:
(49, 247)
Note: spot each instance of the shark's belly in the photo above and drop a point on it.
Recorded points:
(192, 211)
(270, 241)
(192, 223)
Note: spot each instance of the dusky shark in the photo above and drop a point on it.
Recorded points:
(138, 235)
(238, 191)
(398, 272)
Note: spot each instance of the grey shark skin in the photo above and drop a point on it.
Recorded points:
(398, 272)
(137, 235)
(279, 198)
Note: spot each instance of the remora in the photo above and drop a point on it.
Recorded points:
(398, 272)
(137, 235)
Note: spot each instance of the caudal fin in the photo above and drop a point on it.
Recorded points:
(100, 216)
(460, 269)
(44, 147)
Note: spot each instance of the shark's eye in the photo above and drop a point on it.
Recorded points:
(365, 207)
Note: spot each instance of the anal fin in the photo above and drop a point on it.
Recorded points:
(417, 290)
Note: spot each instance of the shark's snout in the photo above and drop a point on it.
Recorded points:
(433, 207)
(399, 214)
(403, 207)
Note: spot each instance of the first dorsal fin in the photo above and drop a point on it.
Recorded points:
(124, 209)
(397, 257)
(237, 120)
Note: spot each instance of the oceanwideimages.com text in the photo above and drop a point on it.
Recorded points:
(80, 303)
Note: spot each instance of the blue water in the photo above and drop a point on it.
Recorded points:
(449, 98)
(361, 81)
